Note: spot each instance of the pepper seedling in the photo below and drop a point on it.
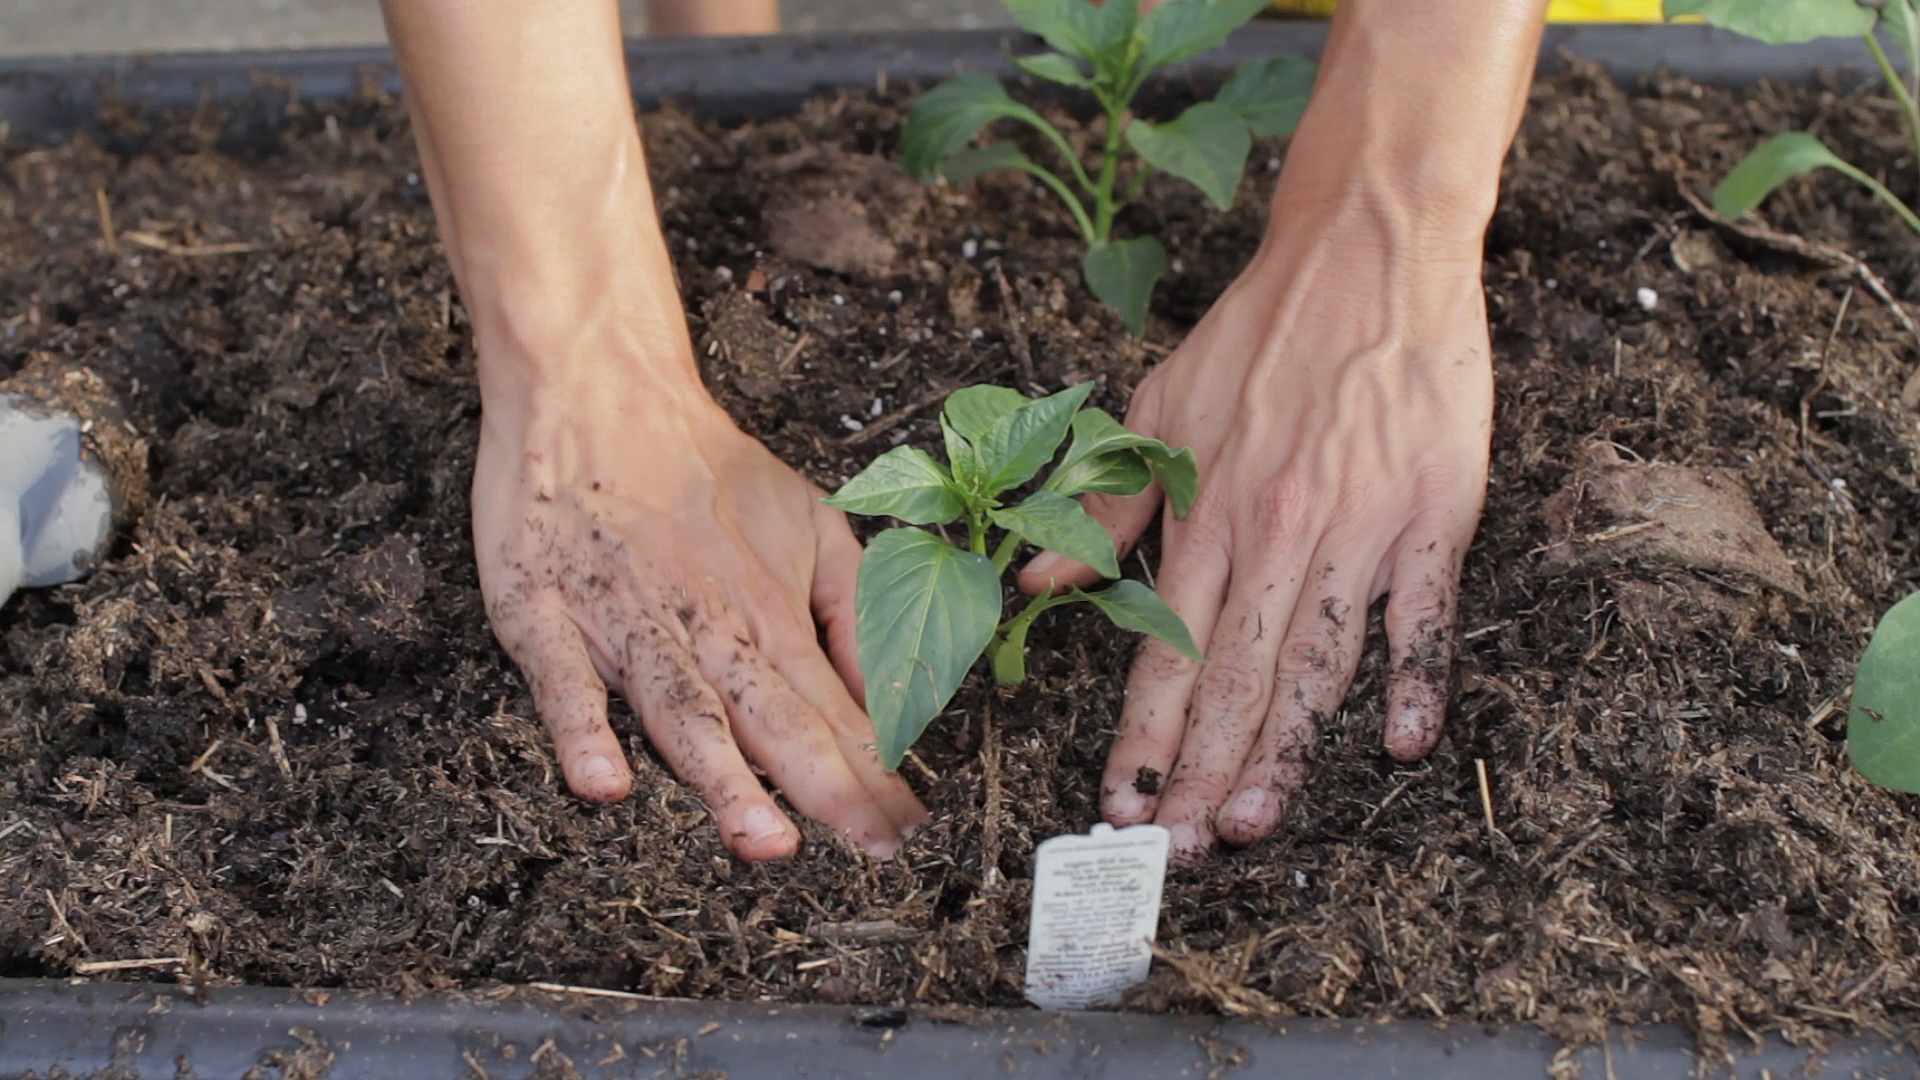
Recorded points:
(1207, 145)
(927, 609)
(1795, 153)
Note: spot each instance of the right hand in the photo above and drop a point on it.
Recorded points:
(629, 534)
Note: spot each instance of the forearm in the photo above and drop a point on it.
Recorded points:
(1413, 113)
(534, 163)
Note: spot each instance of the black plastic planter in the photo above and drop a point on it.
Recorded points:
(54, 1028)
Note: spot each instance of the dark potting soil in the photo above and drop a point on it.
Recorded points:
(273, 734)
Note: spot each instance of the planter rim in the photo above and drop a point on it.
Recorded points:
(153, 1030)
(45, 98)
(133, 1030)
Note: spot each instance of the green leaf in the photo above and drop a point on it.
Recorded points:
(1206, 146)
(1270, 96)
(963, 460)
(1078, 28)
(1780, 22)
(1133, 606)
(1057, 523)
(1776, 161)
(1053, 67)
(1179, 474)
(1104, 457)
(1182, 29)
(1122, 272)
(927, 611)
(947, 117)
(973, 409)
(1122, 472)
(904, 483)
(1099, 440)
(1014, 447)
(1883, 727)
(972, 161)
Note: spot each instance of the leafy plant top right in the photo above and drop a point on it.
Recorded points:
(1794, 153)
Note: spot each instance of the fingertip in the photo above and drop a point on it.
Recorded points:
(1249, 816)
(1123, 806)
(599, 779)
(1188, 842)
(1411, 739)
(1051, 572)
(762, 834)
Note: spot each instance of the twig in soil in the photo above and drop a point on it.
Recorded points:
(14, 828)
(1820, 382)
(923, 767)
(1010, 314)
(793, 354)
(60, 919)
(1826, 709)
(906, 412)
(106, 221)
(1486, 795)
(990, 809)
(95, 967)
(1810, 250)
(194, 251)
(592, 991)
(278, 748)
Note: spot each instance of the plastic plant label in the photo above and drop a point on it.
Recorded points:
(1096, 908)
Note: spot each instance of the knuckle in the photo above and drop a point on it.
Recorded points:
(1281, 509)
(1157, 662)
(1231, 686)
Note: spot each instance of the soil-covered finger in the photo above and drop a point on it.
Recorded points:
(1231, 695)
(1160, 682)
(789, 738)
(1421, 638)
(569, 697)
(1315, 667)
(687, 724)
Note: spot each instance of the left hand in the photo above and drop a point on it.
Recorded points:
(1339, 397)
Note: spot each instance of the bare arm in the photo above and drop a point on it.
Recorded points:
(627, 533)
(1340, 396)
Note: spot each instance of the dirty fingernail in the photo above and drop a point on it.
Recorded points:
(883, 849)
(1249, 808)
(1126, 806)
(762, 823)
(1185, 840)
(596, 767)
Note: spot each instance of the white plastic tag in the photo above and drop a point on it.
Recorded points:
(1096, 908)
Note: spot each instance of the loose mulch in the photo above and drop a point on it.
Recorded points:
(273, 734)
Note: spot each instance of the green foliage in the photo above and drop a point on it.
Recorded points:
(927, 609)
(1780, 22)
(1796, 153)
(1110, 50)
(1883, 728)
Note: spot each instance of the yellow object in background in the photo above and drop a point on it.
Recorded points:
(1565, 11)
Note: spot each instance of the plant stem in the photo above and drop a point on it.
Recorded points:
(1880, 192)
(1003, 554)
(1109, 169)
(1900, 93)
(1019, 623)
(1066, 195)
(976, 532)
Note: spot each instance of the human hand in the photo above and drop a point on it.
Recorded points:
(632, 536)
(1339, 398)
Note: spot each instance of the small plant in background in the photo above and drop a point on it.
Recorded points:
(927, 608)
(1110, 50)
(1782, 22)
(1883, 725)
